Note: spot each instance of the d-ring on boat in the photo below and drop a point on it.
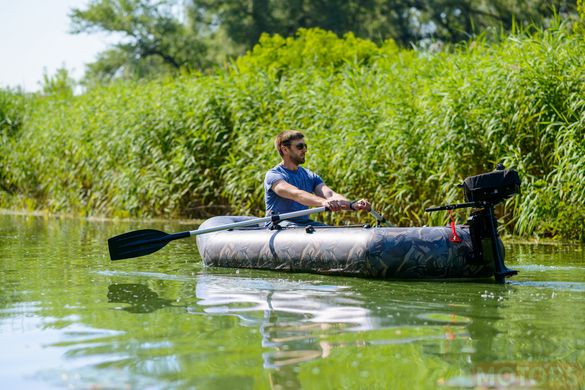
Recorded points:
(471, 251)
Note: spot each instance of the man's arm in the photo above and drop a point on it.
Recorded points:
(324, 191)
(327, 193)
(288, 191)
(324, 196)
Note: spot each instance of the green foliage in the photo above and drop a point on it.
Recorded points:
(161, 37)
(132, 149)
(60, 84)
(155, 41)
(581, 8)
(579, 26)
(399, 127)
(12, 107)
(12, 115)
(314, 48)
(406, 22)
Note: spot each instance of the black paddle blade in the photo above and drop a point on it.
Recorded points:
(137, 243)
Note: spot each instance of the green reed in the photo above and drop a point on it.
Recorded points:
(400, 127)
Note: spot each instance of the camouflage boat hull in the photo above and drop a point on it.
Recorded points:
(377, 252)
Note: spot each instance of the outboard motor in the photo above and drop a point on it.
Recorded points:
(484, 192)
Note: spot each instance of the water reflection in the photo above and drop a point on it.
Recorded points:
(140, 298)
(292, 317)
(300, 322)
(458, 335)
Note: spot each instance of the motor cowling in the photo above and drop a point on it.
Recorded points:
(492, 187)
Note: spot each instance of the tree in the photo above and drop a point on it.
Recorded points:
(405, 21)
(154, 37)
(165, 36)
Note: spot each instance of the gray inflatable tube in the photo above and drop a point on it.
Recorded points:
(376, 252)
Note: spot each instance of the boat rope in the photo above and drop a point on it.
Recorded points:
(454, 237)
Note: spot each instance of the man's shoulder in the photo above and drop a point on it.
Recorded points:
(280, 171)
(274, 174)
(277, 169)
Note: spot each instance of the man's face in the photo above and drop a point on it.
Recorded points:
(297, 150)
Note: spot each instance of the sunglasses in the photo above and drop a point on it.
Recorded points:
(300, 146)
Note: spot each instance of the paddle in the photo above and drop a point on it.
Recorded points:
(143, 242)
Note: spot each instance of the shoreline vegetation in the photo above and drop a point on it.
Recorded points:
(401, 127)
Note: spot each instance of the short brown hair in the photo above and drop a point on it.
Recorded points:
(284, 138)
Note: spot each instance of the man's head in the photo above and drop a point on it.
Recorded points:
(289, 143)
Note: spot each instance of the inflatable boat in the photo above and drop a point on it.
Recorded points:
(471, 251)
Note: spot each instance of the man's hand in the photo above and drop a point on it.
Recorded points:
(336, 204)
(343, 204)
(361, 204)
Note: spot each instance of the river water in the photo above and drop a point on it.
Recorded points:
(71, 318)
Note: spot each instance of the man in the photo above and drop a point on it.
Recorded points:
(289, 187)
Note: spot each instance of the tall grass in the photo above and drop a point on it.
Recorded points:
(399, 127)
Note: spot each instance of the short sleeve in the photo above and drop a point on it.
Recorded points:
(272, 177)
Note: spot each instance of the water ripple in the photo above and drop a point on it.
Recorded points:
(565, 286)
(148, 275)
(547, 268)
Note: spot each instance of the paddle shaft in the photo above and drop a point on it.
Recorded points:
(146, 241)
(256, 221)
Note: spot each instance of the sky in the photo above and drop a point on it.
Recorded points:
(34, 37)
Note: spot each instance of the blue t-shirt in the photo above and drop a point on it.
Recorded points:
(302, 178)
